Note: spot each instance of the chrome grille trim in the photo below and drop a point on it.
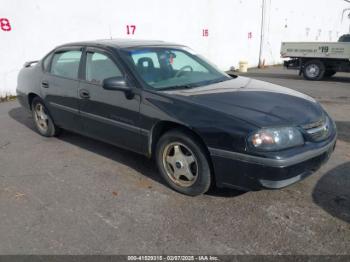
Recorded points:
(320, 130)
(314, 124)
(312, 131)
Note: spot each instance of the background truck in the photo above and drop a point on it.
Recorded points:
(317, 60)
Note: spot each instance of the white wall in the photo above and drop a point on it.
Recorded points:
(303, 20)
(37, 26)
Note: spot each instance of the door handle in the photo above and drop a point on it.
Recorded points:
(44, 84)
(84, 93)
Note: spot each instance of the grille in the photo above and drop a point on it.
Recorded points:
(319, 130)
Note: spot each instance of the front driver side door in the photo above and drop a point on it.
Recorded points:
(107, 114)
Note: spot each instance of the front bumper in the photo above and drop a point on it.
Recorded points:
(248, 172)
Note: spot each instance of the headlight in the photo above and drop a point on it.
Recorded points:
(271, 139)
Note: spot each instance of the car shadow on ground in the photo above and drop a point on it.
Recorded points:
(332, 192)
(133, 160)
(343, 128)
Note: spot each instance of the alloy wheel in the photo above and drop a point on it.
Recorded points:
(41, 118)
(180, 164)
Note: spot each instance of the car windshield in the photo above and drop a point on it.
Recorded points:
(172, 68)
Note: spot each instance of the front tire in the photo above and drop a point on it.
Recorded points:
(183, 163)
(42, 119)
(314, 70)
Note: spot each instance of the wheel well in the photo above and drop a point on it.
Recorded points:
(329, 64)
(164, 126)
(315, 60)
(31, 96)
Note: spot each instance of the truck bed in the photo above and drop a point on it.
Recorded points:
(335, 50)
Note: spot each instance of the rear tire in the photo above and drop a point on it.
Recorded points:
(183, 163)
(42, 119)
(313, 70)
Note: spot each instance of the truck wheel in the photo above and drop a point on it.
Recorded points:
(329, 73)
(314, 70)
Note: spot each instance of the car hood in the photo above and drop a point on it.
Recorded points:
(260, 103)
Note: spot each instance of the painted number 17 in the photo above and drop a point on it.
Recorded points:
(130, 29)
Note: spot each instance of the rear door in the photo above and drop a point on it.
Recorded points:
(60, 87)
(107, 115)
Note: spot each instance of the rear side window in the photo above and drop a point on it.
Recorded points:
(66, 64)
(100, 67)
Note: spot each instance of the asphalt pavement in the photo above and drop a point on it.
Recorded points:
(75, 195)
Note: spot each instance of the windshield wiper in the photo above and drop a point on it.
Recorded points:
(187, 86)
(176, 87)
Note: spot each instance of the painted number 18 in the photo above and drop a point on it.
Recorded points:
(205, 32)
(5, 24)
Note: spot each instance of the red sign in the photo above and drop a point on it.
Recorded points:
(5, 24)
(130, 29)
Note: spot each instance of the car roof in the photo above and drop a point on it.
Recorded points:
(122, 43)
(344, 38)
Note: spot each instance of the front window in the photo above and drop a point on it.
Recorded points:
(170, 68)
(100, 67)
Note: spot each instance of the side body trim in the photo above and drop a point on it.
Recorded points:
(103, 119)
(66, 108)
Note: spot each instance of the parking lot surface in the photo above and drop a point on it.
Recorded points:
(75, 195)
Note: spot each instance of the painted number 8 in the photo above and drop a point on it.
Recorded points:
(5, 24)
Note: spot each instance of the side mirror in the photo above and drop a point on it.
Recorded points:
(116, 83)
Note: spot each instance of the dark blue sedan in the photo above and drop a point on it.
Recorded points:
(202, 126)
